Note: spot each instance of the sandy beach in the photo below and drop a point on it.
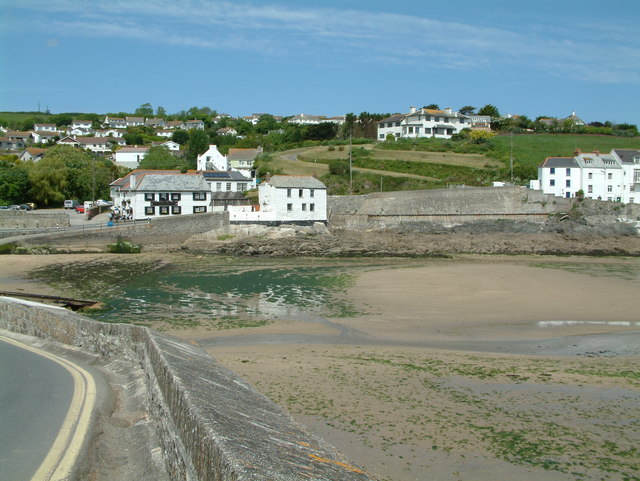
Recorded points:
(473, 368)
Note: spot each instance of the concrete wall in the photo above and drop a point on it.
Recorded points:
(442, 207)
(212, 425)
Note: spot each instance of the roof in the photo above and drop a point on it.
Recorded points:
(135, 119)
(214, 175)
(225, 195)
(92, 140)
(626, 156)
(124, 182)
(296, 182)
(553, 162)
(393, 118)
(172, 183)
(243, 154)
(132, 148)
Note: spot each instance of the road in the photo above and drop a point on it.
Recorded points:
(47, 404)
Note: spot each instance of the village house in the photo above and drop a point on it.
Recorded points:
(212, 159)
(45, 128)
(11, 144)
(130, 156)
(612, 177)
(134, 121)
(44, 137)
(32, 154)
(115, 133)
(84, 125)
(166, 133)
(227, 188)
(151, 193)
(155, 123)
(441, 124)
(306, 119)
(227, 131)
(115, 122)
(169, 145)
(285, 199)
(243, 160)
(175, 124)
(194, 124)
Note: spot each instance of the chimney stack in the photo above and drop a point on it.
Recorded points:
(412, 110)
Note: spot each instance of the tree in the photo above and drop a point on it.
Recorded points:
(180, 136)
(266, 123)
(160, 158)
(160, 111)
(145, 110)
(467, 110)
(198, 144)
(432, 107)
(133, 138)
(490, 110)
(69, 173)
(14, 181)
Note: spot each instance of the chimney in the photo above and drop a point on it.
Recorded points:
(577, 152)
(412, 110)
(448, 111)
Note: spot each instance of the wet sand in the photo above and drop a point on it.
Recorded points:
(477, 368)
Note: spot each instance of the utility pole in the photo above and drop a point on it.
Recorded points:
(350, 167)
(511, 156)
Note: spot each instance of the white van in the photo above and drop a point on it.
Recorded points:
(71, 204)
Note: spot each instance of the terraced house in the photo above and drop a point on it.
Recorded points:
(418, 123)
(613, 177)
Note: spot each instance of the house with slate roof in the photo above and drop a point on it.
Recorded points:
(130, 156)
(285, 199)
(153, 193)
(611, 177)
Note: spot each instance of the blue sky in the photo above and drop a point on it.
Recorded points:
(322, 57)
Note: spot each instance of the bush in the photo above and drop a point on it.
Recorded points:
(338, 167)
(124, 247)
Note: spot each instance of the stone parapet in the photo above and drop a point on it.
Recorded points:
(212, 424)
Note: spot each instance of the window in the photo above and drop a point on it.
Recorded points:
(228, 186)
(568, 171)
(176, 209)
(568, 182)
(312, 207)
(304, 207)
(175, 196)
(552, 170)
(218, 186)
(150, 210)
(568, 195)
(552, 182)
(609, 176)
(631, 200)
(289, 207)
(163, 196)
(590, 189)
(199, 196)
(164, 210)
(311, 192)
(609, 188)
(149, 196)
(590, 175)
(199, 209)
(288, 192)
(300, 192)
(242, 186)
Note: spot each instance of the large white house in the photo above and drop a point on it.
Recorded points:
(130, 156)
(441, 124)
(212, 159)
(151, 193)
(286, 199)
(613, 177)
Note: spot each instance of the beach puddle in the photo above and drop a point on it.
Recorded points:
(566, 323)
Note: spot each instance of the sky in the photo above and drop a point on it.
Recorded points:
(285, 57)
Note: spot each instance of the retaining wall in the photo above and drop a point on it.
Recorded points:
(442, 207)
(212, 424)
(22, 219)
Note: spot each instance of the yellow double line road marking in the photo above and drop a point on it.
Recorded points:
(59, 462)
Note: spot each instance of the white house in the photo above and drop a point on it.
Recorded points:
(116, 133)
(45, 128)
(151, 193)
(157, 123)
(166, 133)
(194, 124)
(306, 119)
(82, 124)
(286, 199)
(212, 159)
(43, 136)
(100, 145)
(169, 144)
(175, 124)
(227, 131)
(32, 154)
(130, 156)
(115, 122)
(134, 121)
(611, 177)
(420, 123)
(243, 159)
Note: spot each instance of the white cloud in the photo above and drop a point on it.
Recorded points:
(595, 55)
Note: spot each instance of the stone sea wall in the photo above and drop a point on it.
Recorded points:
(212, 424)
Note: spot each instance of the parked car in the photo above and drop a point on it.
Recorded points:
(80, 209)
(25, 207)
(103, 203)
(4, 207)
(71, 204)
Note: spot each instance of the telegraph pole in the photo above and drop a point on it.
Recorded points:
(350, 167)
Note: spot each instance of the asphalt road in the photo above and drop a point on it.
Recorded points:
(47, 403)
